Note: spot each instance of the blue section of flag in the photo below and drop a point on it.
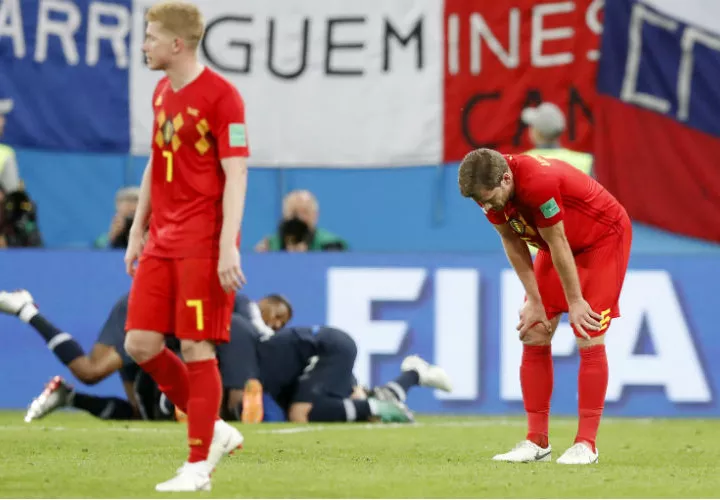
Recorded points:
(64, 97)
(662, 64)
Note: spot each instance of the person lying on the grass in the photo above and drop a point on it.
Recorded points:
(308, 374)
(244, 399)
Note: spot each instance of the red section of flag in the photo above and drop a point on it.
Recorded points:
(663, 172)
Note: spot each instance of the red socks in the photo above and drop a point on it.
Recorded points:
(592, 386)
(203, 406)
(171, 376)
(196, 389)
(536, 379)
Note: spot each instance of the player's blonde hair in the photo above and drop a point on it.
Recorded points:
(179, 18)
(482, 168)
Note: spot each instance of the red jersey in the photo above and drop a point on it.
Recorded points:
(194, 128)
(548, 191)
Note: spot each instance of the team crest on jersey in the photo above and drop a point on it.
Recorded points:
(168, 131)
(517, 226)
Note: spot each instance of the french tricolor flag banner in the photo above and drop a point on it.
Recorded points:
(657, 136)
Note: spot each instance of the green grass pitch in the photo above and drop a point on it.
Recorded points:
(73, 455)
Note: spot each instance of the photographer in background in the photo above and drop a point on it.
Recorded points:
(126, 200)
(298, 231)
(9, 175)
(18, 213)
(18, 221)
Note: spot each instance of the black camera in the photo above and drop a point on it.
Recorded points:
(294, 231)
(121, 240)
(19, 221)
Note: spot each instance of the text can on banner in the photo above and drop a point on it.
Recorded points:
(504, 56)
(326, 83)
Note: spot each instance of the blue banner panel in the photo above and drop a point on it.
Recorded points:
(456, 310)
(65, 66)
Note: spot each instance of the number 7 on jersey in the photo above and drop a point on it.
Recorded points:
(168, 165)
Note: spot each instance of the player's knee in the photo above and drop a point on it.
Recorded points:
(340, 342)
(197, 351)
(537, 335)
(143, 346)
(299, 413)
(584, 343)
(347, 345)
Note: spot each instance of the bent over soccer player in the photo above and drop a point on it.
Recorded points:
(192, 195)
(583, 235)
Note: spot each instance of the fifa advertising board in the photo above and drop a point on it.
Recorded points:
(458, 311)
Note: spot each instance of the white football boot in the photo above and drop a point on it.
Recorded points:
(524, 452)
(428, 375)
(57, 394)
(13, 302)
(226, 439)
(579, 454)
(190, 477)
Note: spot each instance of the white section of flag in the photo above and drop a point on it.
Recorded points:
(390, 115)
(703, 14)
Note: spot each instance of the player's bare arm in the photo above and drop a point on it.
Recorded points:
(581, 314)
(136, 237)
(518, 255)
(234, 399)
(102, 362)
(229, 269)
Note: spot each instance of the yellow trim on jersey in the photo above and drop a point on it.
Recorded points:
(605, 319)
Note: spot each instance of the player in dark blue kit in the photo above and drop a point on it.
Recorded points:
(108, 356)
(308, 372)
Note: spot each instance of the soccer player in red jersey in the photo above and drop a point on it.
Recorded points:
(583, 235)
(192, 198)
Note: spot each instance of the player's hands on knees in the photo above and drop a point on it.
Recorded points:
(583, 318)
(532, 313)
(229, 271)
(136, 242)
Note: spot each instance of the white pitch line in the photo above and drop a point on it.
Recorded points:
(451, 423)
(286, 430)
(321, 427)
(15, 428)
(378, 426)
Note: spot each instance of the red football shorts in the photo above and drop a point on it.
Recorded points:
(601, 271)
(181, 297)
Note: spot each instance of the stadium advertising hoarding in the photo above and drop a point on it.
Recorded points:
(457, 310)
